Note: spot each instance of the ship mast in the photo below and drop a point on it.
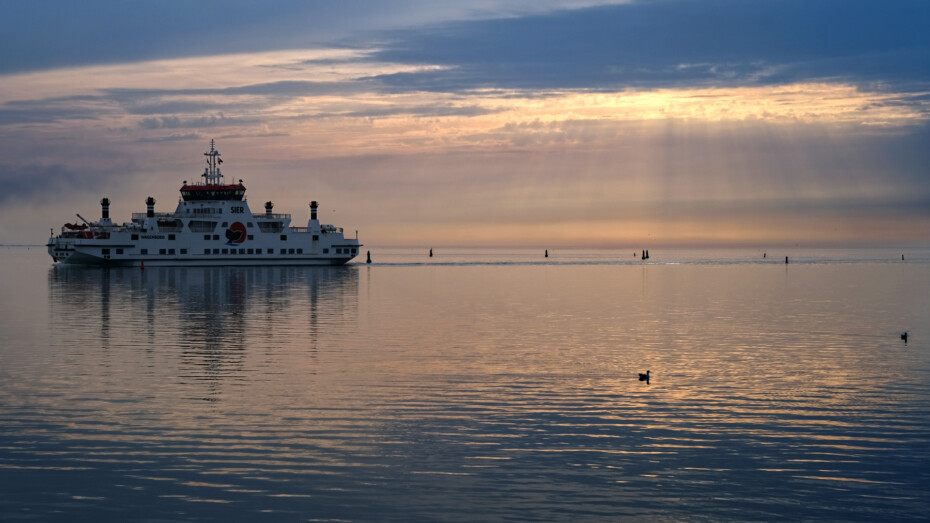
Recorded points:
(212, 174)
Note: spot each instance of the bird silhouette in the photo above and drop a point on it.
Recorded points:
(644, 377)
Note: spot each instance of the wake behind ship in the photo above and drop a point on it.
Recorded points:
(212, 225)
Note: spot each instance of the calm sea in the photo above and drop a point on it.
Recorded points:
(470, 386)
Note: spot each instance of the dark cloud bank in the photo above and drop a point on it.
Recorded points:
(675, 43)
(642, 44)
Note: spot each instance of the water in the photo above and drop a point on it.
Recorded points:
(475, 385)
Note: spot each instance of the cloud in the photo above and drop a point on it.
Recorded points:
(144, 106)
(673, 43)
(50, 110)
(41, 182)
(286, 88)
(47, 35)
(173, 122)
(431, 110)
(175, 137)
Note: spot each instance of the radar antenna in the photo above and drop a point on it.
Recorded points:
(212, 174)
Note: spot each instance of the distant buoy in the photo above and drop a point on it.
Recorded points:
(647, 254)
(369, 257)
(902, 256)
(786, 259)
(763, 255)
(904, 336)
(547, 253)
(431, 253)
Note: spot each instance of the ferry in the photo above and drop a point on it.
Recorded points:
(212, 225)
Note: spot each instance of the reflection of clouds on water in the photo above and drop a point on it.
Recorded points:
(211, 319)
(507, 392)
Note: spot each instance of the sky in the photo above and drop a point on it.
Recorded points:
(522, 123)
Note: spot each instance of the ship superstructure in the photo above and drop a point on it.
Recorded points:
(212, 225)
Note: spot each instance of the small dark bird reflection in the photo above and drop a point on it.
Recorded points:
(644, 377)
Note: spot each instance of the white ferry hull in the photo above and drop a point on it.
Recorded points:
(78, 258)
(135, 249)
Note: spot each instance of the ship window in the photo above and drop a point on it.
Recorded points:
(283, 251)
(225, 224)
(283, 237)
(183, 251)
(216, 236)
(249, 224)
(250, 237)
(338, 251)
(104, 251)
(241, 251)
(135, 236)
(216, 251)
(206, 236)
(353, 251)
(170, 251)
(300, 251)
(251, 251)
(119, 251)
(290, 251)
(225, 251)
(316, 237)
(144, 251)
(270, 251)
(325, 251)
(161, 251)
(206, 251)
(170, 236)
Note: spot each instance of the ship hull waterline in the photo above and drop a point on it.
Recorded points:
(78, 258)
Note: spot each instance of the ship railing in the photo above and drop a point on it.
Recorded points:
(326, 229)
(87, 234)
(158, 216)
(273, 216)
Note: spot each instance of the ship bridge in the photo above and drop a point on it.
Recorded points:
(212, 187)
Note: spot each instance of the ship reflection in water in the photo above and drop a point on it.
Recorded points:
(211, 319)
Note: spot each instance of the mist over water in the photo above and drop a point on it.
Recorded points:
(473, 385)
